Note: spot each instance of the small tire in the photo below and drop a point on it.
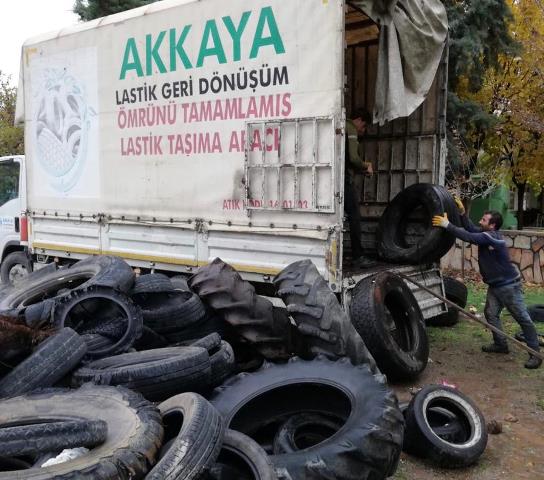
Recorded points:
(387, 316)
(156, 374)
(421, 439)
(53, 358)
(197, 428)
(15, 267)
(241, 457)
(35, 439)
(457, 293)
(536, 313)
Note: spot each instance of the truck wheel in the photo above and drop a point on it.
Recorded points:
(368, 443)
(422, 439)
(224, 291)
(387, 316)
(134, 431)
(15, 267)
(197, 430)
(156, 374)
(242, 458)
(54, 358)
(405, 234)
(320, 319)
(457, 293)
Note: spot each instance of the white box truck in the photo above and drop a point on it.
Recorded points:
(188, 130)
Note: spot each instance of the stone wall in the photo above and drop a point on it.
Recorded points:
(526, 251)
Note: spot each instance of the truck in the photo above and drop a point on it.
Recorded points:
(15, 261)
(187, 130)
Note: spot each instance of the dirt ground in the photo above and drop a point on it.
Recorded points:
(504, 391)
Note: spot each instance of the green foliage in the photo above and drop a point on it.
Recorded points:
(11, 137)
(91, 9)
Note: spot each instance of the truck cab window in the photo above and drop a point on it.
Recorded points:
(9, 181)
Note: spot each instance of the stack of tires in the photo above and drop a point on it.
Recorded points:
(156, 377)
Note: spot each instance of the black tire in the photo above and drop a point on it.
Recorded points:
(156, 374)
(403, 239)
(242, 458)
(15, 267)
(457, 293)
(95, 341)
(99, 271)
(180, 282)
(209, 342)
(222, 359)
(368, 444)
(135, 431)
(167, 313)
(536, 312)
(35, 439)
(152, 283)
(303, 431)
(422, 440)
(320, 319)
(71, 310)
(211, 323)
(198, 431)
(234, 299)
(387, 316)
(54, 358)
(150, 340)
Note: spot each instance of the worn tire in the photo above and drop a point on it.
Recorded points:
(51, 436)
(224, 291)
(197, 439)
(54, 358)
(368, 444)
(242, 458)
(99, 271)
(156, 374)
(70, 310)
(430, 243)
(387, 316)
(457, 293)
(211, 323)
(152, 283)
(134, 431)
(150, 340)
(320, 319)
(423, 441)
(15, 267)
(180, 282)
(536, 312)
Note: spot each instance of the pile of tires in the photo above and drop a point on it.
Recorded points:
(157, 377)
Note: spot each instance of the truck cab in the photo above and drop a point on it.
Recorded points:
(15, 262)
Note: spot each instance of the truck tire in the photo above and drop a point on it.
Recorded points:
(99, 271)
(387, 316)
(242, 458)
(71, 311)
(234, 299)
(54, 358)
(428, 244)
(197, 430)
(156, 374)
(211, 323)
(150, 340)
(180, 282)
(303, 431)
(134, 431)
(457, 293)
(320, 319)
(168, 313)
(51, 436)
(368, 444)
(151, 283)
(423, 441)
(15, 267)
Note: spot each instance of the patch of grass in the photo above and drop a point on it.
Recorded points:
(540, 403)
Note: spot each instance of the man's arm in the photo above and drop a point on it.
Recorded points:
(468, 225)
(475, 237)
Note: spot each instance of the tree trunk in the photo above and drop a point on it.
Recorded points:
(521, 195)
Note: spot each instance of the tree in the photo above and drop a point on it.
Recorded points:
(91, 9)
(11, 137)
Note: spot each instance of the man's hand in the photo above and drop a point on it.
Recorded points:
(460, 205)
(441, 221)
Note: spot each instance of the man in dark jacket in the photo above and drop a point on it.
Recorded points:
(499, 274)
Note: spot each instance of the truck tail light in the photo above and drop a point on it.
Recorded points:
(24, 229)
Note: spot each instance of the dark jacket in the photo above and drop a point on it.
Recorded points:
(493, 258)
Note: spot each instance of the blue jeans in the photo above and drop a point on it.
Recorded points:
(511, 297)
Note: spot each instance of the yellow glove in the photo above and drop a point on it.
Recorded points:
(460, 205)
(441, 221)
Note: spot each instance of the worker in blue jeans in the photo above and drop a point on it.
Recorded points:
(499, 274)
